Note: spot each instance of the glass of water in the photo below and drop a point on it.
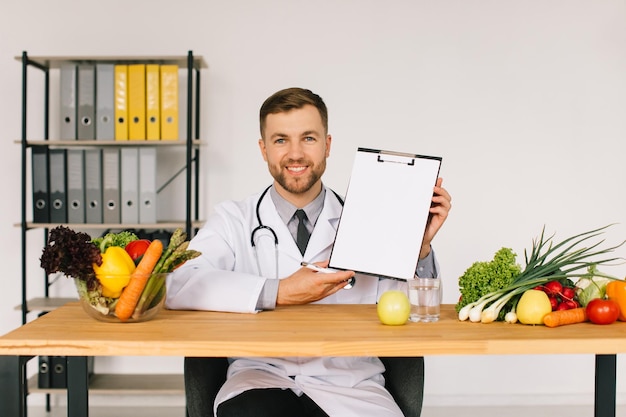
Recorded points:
(425, 298)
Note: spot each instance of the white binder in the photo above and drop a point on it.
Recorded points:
(111, 185)
(105, 99)
(129, 185)
(75, 186)
(93, 185)
(385, 213)
(67, 94)
(147, 185)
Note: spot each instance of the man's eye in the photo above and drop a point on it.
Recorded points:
(309, 139)
(279, 141)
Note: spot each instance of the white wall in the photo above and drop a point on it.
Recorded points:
(525, 102)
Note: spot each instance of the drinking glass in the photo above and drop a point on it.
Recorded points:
(425, 298)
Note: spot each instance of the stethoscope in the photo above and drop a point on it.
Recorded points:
(262, 226)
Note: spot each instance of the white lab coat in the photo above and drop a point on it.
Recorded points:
(226, 278)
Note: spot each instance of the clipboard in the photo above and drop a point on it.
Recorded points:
(385, 212)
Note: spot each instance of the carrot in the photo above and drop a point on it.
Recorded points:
(131, 294)
(563, 317)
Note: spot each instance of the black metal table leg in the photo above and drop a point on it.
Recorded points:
(13, 385)
(77, 387)
(606, 386)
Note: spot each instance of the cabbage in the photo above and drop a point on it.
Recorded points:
(590, 288)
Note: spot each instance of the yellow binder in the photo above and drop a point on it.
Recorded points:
(169, 102)
(121, 102)
(153, 108)
(137, 102)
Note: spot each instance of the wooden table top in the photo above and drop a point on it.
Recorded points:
(309, 330)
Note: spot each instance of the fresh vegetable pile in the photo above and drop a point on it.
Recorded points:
(490, 291)
(117, 272)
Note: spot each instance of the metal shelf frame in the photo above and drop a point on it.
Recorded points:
(191, 222)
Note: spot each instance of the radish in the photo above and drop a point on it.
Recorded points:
(553, 288)
(568, 293)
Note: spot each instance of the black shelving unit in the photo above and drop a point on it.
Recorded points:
(193, 65)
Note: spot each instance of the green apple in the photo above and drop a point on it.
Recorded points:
(393, 308)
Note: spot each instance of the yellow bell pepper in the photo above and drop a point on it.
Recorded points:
(616, 290)
(114, 273)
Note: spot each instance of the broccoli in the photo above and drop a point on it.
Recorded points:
(486, 277)
(120, 239)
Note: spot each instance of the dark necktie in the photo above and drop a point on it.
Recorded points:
(302, 238)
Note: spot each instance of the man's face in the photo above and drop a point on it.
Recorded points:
(295, 147)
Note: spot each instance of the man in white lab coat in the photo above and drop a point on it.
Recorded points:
(251, 262)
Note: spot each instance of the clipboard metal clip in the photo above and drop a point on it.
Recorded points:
(397, 161)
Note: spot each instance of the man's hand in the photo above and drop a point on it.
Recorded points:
(306, 286)
(439, 209)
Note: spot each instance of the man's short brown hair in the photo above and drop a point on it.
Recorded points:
(289, 99)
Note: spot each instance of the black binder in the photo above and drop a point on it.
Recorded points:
(53, 371)
(43, 379)
(58, 372)
(41, 213)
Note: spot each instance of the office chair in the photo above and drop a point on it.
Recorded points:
(404, 378)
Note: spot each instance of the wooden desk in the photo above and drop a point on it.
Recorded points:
(310, 330)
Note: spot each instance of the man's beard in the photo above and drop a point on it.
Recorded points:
(298, 185)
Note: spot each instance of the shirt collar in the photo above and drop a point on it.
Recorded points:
(286, 209)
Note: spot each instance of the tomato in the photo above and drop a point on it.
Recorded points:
(137, 248)
(601, 311)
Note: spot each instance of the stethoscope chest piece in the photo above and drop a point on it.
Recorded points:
(350, 283)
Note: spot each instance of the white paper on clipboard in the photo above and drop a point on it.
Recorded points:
(385, 213)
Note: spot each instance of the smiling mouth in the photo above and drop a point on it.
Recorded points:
(296, 170)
